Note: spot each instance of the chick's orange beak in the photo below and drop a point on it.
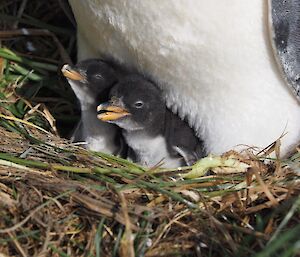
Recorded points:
(70, 73)
(109, 112)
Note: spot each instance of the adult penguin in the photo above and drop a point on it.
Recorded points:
(214, 60)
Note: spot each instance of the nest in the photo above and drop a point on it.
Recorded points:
(58, 199)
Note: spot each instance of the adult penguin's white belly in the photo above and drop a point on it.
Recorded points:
(213, 59)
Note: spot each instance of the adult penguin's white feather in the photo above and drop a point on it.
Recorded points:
(213, 59)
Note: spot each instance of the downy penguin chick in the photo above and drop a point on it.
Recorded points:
(91, 81)
(151, 131)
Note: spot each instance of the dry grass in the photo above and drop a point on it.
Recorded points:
(57, 199)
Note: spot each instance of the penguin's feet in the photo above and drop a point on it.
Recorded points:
(189, 157)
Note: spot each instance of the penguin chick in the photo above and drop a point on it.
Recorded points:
(91, 81)
(151, 131)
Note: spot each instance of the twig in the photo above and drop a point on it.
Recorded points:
(38, 32)
(264, 186)
(46, 240)
(20, 13)
(286, 219)
(16, 243)
(20, 224)
(67, 10)
(126, 247)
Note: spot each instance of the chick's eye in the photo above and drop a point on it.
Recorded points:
(97, 76)
(138, 104)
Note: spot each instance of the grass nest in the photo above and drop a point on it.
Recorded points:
(58, 199)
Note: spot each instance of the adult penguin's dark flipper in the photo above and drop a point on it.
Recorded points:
(284, 20)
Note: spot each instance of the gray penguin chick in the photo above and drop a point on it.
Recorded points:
(91, 81)
(152, 132)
